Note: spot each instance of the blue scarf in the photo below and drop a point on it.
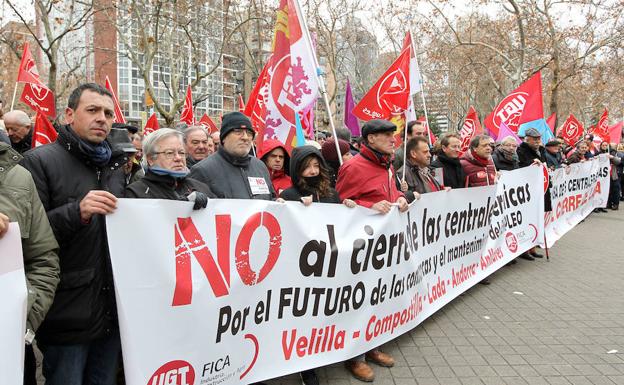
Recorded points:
(175, 174)
(99, 154)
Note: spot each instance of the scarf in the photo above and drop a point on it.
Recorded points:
(172, 173)
(233, 159)
(510, 156)
(99, 154)
(425, 175)
(384, 160)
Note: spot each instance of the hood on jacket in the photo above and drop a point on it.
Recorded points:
(298, 155)
(269, 145)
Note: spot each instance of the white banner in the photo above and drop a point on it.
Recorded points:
(13, 302)
(249, 290)
(576, 191)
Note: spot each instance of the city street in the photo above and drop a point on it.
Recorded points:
(543, 322)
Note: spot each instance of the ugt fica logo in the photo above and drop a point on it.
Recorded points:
(176, 372)
(511, 242)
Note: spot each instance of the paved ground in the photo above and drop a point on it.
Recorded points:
(571, 314)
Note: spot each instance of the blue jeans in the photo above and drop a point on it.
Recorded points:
(93, 363)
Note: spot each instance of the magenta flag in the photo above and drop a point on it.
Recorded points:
(350, 120)
(504, 131)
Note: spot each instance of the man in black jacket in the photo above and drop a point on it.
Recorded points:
(78, 178)
(231, 172)
(532, 152)
(447, 162)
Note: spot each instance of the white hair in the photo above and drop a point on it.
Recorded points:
(18, 116)
(151, 141)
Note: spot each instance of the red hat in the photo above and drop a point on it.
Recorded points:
(329, 149)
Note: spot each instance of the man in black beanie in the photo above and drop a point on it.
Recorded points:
(231, 172)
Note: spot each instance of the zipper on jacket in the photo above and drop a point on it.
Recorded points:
(99, 173)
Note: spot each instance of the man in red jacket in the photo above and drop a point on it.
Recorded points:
(368, 179)
(478, 164)
(276, 158)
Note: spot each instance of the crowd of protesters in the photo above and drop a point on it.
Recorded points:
(60, 192)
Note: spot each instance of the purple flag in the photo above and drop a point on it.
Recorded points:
(504, 131)
(350, 120)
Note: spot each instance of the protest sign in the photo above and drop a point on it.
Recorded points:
(576, 191)
(248, 290)
(13, 298)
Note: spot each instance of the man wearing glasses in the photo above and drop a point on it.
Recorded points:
(231, 172)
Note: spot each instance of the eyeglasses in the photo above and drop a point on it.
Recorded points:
(170, 154)
(241, 131)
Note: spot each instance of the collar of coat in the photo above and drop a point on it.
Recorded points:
(376, 157)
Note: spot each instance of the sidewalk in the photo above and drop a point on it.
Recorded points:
(537, 323)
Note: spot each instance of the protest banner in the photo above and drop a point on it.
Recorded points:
(13, 298)
(248, 290)
(576, 191)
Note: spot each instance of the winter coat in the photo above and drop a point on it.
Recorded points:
(526, 155)
(416, 183)
(4, 137)
(452, 171)
(280, 179)
(228, 176)
(368, 178)
(154, 186)
(20, 202)
(478, 172)
(84, 306)
(502, 163)
(553, 161)
(296, 192)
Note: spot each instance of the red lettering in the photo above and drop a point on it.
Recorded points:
(189, 241)
(247, 275)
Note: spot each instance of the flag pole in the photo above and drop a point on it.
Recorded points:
(422, 89)
(14, 94)
(308, 41)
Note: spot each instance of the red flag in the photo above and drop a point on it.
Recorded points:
(524, 104)
(28, 69)
(256, 104)
(119, 116)
(602, 128)
(187, 115)
(551, 122)
(39, 98)
(43, 132)
(208, 123)
(241, 103)
(470, 129)
(615, 133)
(151, 125)
(390, 93)
(571, 131)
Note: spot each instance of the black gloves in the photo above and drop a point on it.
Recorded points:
(200, 199)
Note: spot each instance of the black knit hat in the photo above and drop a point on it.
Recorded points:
(232, 121)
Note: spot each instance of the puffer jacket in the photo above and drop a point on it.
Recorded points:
(84, 306)
(478, 172)
(20, 202)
